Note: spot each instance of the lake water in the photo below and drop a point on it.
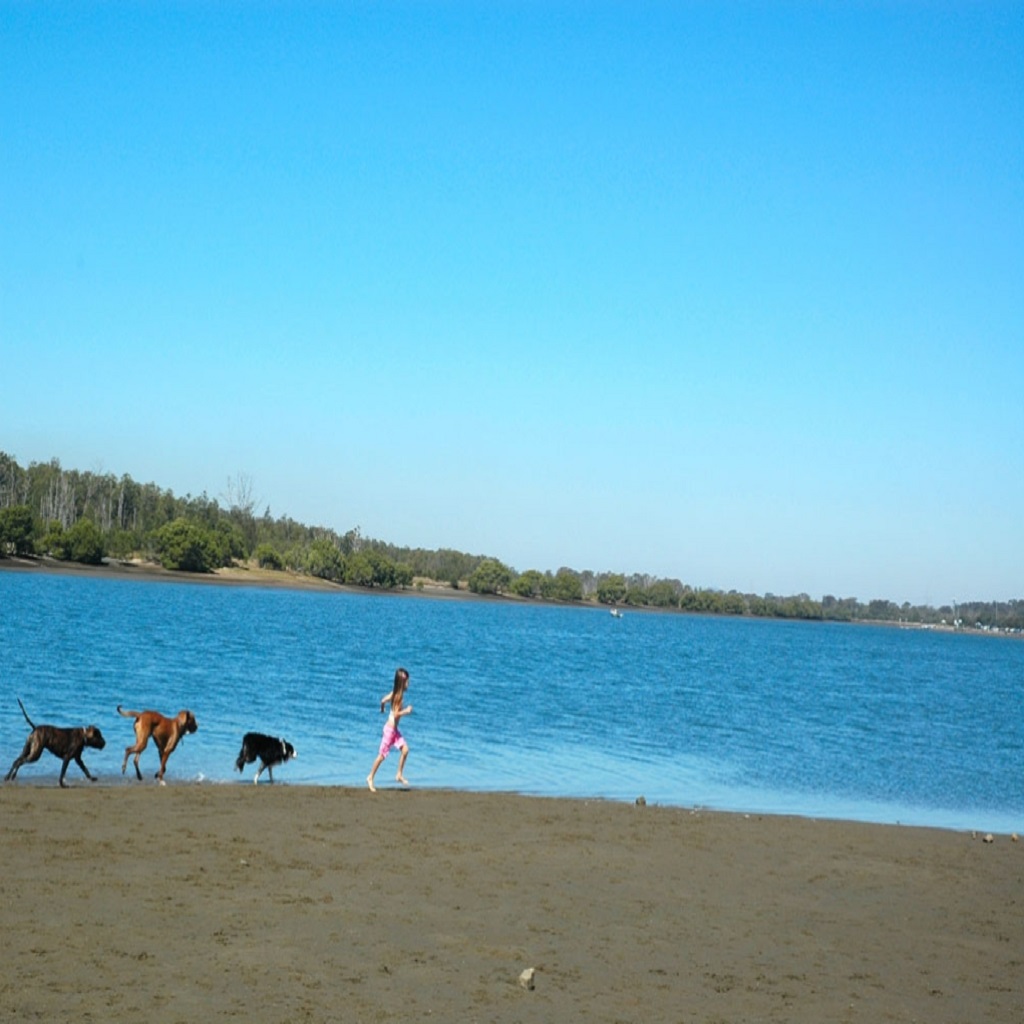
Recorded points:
(814, 719)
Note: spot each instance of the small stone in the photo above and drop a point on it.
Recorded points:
(526, 978)
(989, 838)
(1014, 837)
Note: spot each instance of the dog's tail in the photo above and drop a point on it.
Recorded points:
(128, 714)
(31, 724)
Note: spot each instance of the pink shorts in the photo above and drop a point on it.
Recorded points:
(391, 738)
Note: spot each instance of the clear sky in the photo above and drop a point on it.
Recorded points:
(731, 293)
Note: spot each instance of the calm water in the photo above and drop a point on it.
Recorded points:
(813, 719)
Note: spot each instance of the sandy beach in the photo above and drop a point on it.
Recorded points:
(290, 903)
(248, 575)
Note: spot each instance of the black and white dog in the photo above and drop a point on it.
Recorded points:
(268, 749)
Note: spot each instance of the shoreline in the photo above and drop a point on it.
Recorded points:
(290, 580)
(999, 828)
(330, 904)
(239, 576)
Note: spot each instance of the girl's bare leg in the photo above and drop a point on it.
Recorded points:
(373, 771)
(400, 777)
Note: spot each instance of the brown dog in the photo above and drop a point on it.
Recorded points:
(166, 733)
(67, 744)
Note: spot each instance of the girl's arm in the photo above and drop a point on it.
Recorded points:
(386, 699)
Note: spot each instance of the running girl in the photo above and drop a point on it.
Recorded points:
(392, 734)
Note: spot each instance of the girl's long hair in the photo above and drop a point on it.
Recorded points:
(398, 690)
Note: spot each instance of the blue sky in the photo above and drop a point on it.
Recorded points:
(730, 293)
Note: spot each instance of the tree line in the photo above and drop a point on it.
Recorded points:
(69, 515)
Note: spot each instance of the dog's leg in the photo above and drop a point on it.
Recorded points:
(30, 753)
(164, 754)
(166, 744)
(138, 753)
(18, 762)
(141, 739)
(85, 771)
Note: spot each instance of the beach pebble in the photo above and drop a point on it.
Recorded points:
(989, 838)
(1014, 837)
(526, 978)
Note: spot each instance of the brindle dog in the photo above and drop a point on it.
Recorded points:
(67, 744)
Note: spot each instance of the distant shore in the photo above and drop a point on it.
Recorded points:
(275, 903)
(236, 575)
(288, 579)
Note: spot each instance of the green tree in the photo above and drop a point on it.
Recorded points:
(369, 567)
(323, 559)
(708, 601)
(565, 586)
(611, 589)
(528, 584)
(83, 543)
(184, 546)
(267, 557)
(490, 577)
(449, 565)
(229, 540)
(16, 530)
(52, 540)
(383, 571)
(664, 594)
(296, 558)
(359, 569)
(123, 543)
(882, 610)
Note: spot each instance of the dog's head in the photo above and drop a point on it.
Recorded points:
(94, 738)
(289, 751)
(188, 721)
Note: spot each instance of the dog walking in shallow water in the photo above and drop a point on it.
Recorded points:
(67, 744)
(267, 749)
(166, 733)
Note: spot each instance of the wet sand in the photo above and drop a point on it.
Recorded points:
(236, 575)
(289, 903)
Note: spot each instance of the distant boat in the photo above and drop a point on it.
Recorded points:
(616, 613)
